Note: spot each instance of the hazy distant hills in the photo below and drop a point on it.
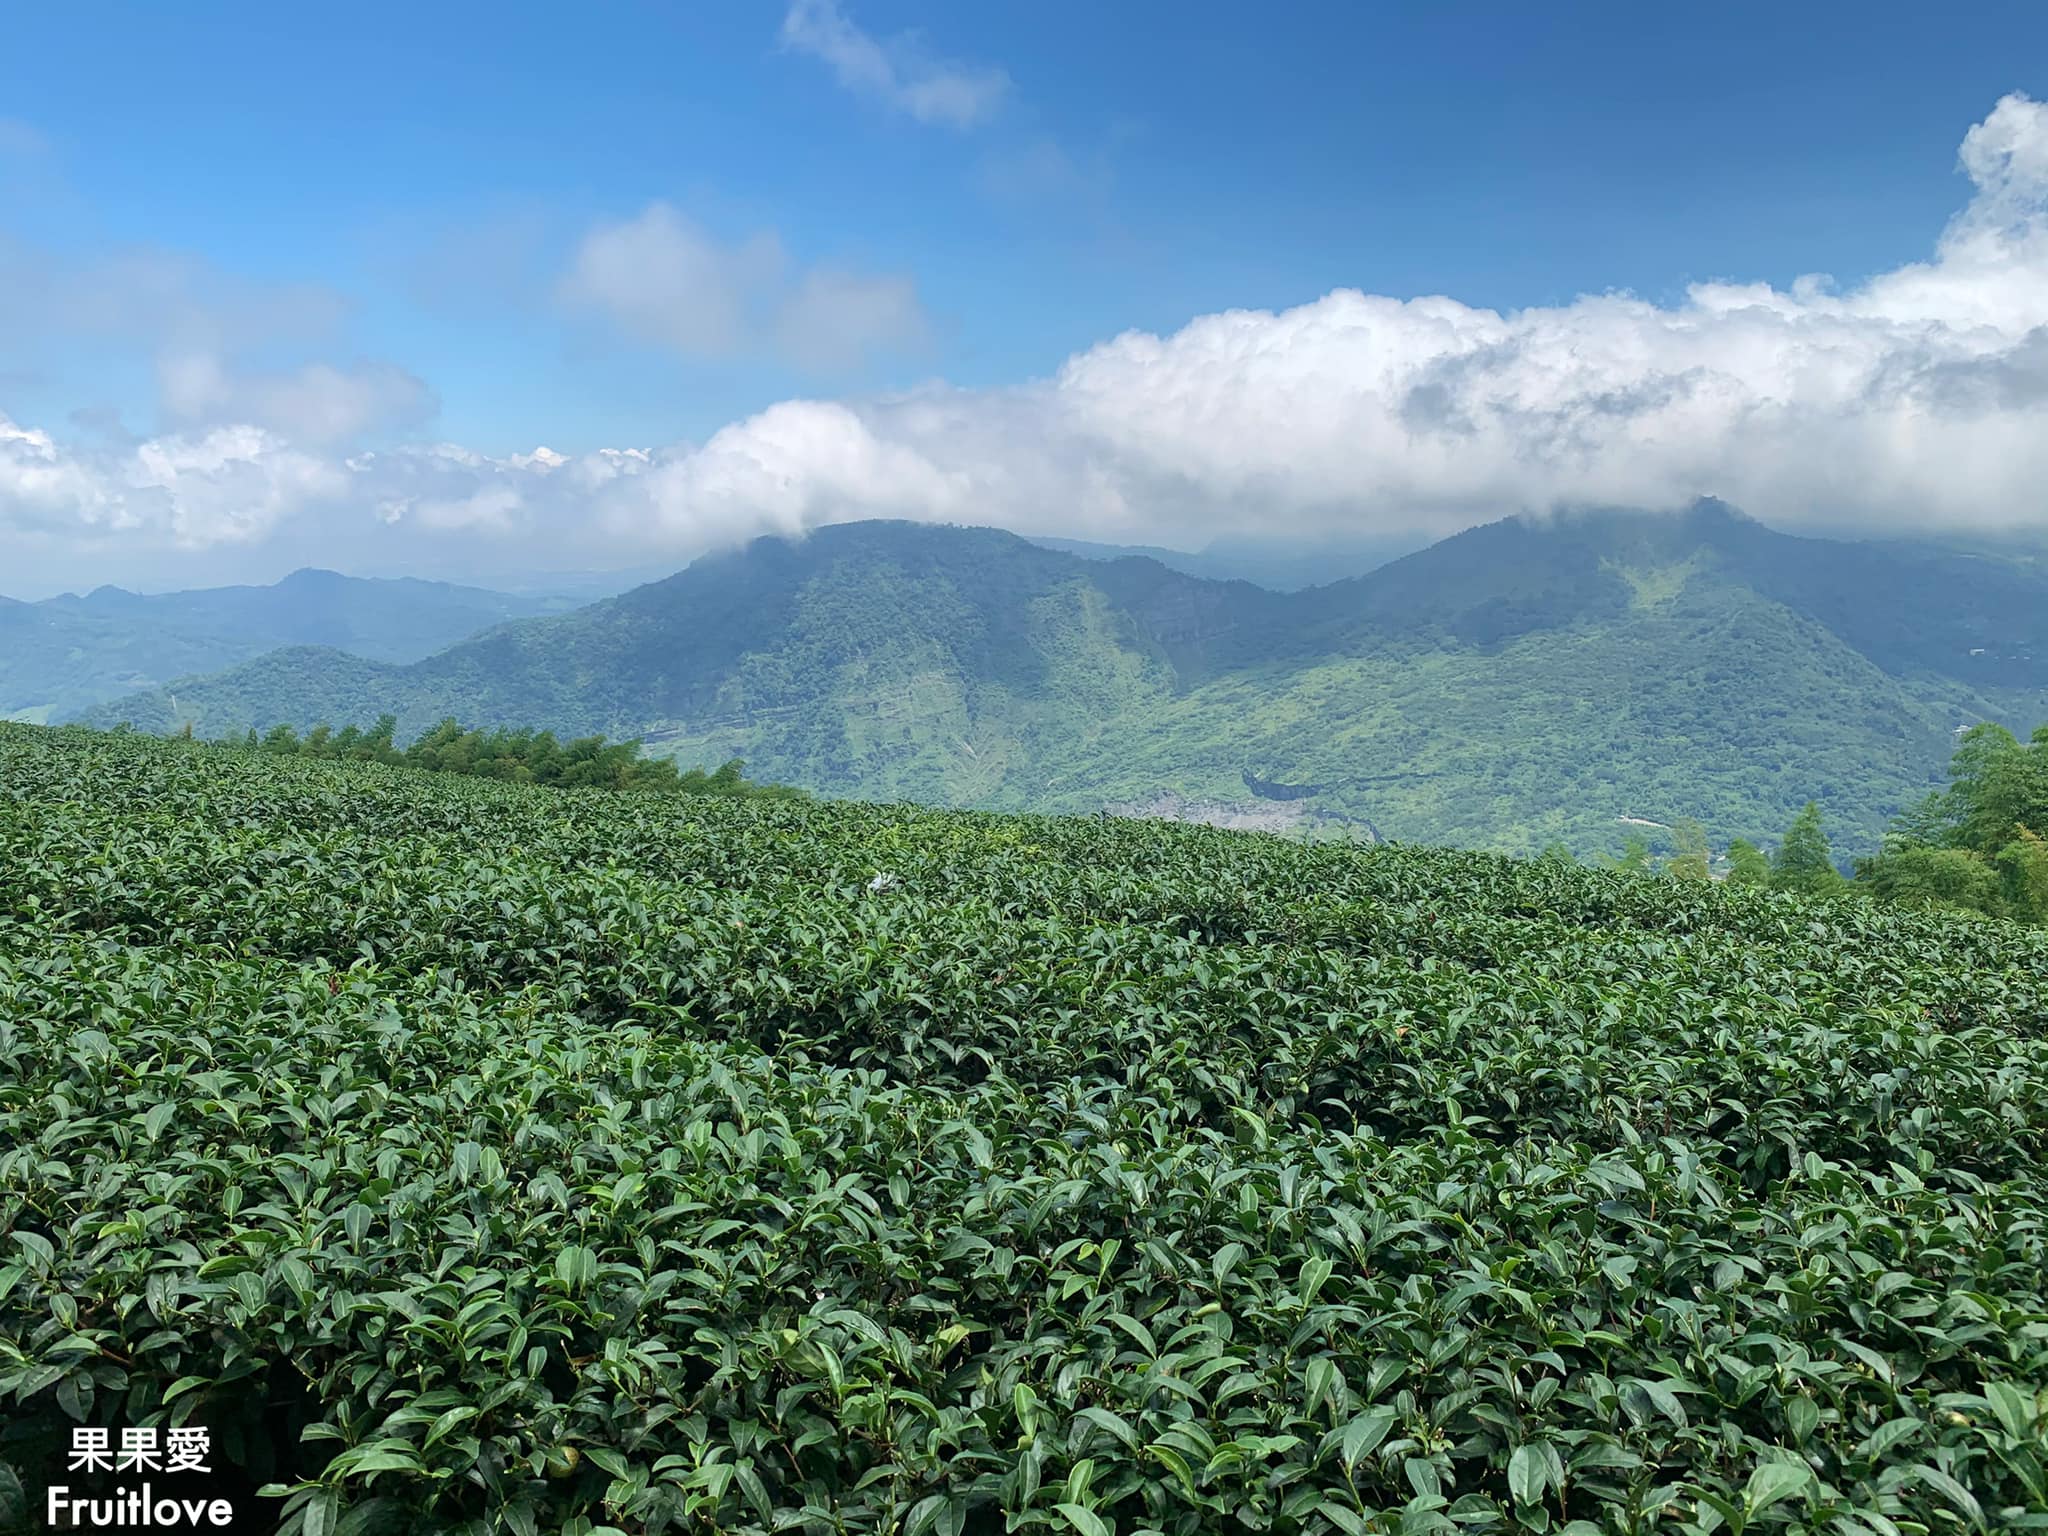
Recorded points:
(66, 653)
(1284, 565)
(1520, 682)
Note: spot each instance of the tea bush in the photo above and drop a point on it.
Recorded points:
(473, 1156)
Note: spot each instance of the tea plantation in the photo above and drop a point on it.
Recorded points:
(478, 1157)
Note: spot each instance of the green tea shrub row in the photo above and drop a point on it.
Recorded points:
(473, 1156)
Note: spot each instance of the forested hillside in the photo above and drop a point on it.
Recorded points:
(64, 654)
(1980, 844)
(1516, 685)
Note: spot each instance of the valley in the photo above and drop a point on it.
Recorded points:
(66, 654)
(1521, 684)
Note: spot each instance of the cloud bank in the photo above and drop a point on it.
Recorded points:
(1917, 398)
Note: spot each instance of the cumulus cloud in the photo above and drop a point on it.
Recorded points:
(229, 485)
(791, 467)
(897, 72)
(660, 279)
(43, 488)
(179, 491)
(1916, 398)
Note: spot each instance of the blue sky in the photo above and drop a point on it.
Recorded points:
(377, 227)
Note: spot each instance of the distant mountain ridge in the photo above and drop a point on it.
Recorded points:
(1280, 565)
(66, 653)
(1522, 681)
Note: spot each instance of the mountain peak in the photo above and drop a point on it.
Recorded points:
(1712, 511)
(1531, 678)
(898, 533)
(1703, 513)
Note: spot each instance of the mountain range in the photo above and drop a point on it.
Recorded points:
(64, 654)
(1284, 565)
(1520, 683)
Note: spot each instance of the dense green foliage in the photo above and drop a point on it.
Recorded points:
(1747, 864)
(1513, 686)
(518, 757)
(1980, 844)
(1803, 860)
(479, 1156)
(65, 654)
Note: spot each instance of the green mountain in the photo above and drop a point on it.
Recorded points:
(1283, 565)
(1522, 682)
(67, 653)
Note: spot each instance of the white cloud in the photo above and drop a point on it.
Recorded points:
(229, 485)
(1917, 398)
(42, 488)
(184, 491)
(795, 465)
(318, 404)
(661, 280)
(897, 72)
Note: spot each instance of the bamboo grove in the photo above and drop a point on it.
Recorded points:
(475, 1156)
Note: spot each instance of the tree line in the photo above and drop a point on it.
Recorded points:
(519, 756)
(1980, 845)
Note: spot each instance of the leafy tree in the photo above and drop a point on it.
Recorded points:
(1997, 786)
(1747, 863)
(2023, 877)
(1919, 875)
(1973, 844)
(1802, 862)
(1635, 854)
(1689, 859)
(377, 741)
